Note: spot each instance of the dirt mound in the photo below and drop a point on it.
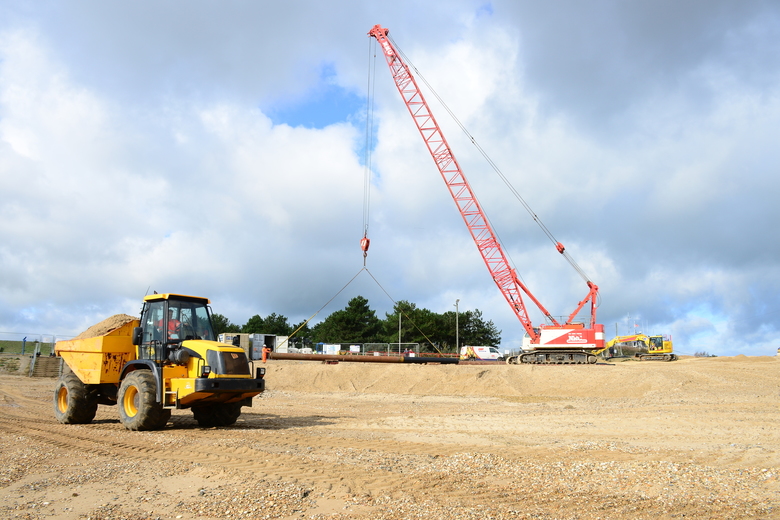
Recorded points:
(106, 326)
(632, 379)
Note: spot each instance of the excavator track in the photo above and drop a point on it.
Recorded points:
(553, 357)
(656, 357)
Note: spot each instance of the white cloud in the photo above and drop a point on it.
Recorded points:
(645, 144)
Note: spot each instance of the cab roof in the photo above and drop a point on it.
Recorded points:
(176, 297)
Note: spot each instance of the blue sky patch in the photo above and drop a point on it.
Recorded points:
(485, 9)
(327, 103)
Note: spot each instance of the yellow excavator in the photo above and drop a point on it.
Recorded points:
(657, 348)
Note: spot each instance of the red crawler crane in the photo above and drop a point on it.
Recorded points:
(549, 343)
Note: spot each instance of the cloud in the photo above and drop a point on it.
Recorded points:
(157, 147)
(142, 200)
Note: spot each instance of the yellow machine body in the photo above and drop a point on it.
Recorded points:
(100, 359)
(168, 359)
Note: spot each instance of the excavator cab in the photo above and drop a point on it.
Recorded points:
(655, 344)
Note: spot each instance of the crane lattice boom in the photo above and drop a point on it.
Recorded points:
(477, 223)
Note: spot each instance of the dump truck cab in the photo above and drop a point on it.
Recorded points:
(172, 318)
(167, 322)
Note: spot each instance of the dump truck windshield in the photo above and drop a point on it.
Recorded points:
(172, 320)
(191, 320)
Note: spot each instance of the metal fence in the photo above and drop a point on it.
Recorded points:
(28, 342)
(366, 349)
(31, 347)
(375, 349)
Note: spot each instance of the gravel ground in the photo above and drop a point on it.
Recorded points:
(697, 438)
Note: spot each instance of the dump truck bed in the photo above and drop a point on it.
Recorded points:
(99, 359)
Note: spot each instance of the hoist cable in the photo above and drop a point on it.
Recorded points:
(493, 165)
(326, 304)
(408, 318)
(370, 87)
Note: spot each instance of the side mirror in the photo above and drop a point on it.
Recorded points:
(137, 335)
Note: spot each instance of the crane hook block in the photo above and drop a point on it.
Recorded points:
(560, 248)
(364, 243)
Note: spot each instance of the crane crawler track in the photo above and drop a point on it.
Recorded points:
(554, 357)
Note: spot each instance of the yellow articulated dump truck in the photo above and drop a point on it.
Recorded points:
(169, 359)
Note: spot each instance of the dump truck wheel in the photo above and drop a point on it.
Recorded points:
(73, 403)
(138, 406)
(220, 414)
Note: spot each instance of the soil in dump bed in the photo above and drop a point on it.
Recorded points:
(106, 326)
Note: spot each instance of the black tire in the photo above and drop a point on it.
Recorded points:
(73, 403)
(138, 406)
(219, 414)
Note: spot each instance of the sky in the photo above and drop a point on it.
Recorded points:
(220, 149)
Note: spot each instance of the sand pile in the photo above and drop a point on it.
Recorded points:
(629, 379)
(106, 326)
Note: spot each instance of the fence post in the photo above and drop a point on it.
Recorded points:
(34, 357)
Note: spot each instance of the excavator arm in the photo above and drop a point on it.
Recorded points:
(626, 339)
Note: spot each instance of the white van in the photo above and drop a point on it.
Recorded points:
(484, 353)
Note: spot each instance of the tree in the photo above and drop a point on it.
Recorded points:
(445, 330)
(274, 324)
(301, 329)
(222, 324)
(303, 335)
(476, 331)
(434, 332)
(255, 325)
(356, 323)
(416, 325)
(277, 324)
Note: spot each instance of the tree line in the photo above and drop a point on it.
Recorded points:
(358, 323)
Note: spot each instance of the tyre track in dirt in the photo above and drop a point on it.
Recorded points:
(306, 458)
(277, 461)
(17, 400)
(691, 440)
(305, 454)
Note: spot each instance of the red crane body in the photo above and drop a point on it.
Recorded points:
(551, 343)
